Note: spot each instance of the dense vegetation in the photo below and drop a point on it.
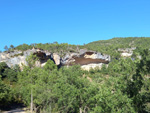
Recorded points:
(123, 86)
(111, 46)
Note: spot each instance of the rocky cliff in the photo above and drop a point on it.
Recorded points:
(87, 59)
(19, 57)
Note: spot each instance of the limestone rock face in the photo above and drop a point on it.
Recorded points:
(15, 60)
(19, 57)
(85, 57)
(5, 56)
(12, 58)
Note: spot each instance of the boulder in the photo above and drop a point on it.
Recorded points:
(56, 58)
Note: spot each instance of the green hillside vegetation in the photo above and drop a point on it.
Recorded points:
(111, 46)
(122, 87)
(55, 47)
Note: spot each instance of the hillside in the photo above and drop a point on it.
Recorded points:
(50, 81)
(111, 46)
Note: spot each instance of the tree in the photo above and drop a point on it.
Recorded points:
(34, 79)
(11, 46)
(6, 48)
(10, 74)
(36, 91)
(49, 66)
(5, 96)
(31, 60)
(122, 67)
(3, 66)
(138, 87)
(111, 99)
(73, 93)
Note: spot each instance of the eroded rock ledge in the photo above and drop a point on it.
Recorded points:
(84, 57)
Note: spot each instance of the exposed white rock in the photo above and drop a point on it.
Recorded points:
(93, 56)
(128, 50)
(85, 57)
(19, 57)
(126, 54)
(91, 66)
(56, 58)
(43, 64)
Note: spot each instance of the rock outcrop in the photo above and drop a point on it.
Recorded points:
(19, 57)
(56, 58)
(87, 59)
(12, 58)
(127, 52)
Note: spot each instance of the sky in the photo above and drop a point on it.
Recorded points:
(71, 21)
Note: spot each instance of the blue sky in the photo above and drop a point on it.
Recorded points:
(71, 21)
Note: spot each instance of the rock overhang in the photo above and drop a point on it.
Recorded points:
(86, 57)
(83, 57)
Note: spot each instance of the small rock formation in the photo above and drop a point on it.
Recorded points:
(56, 58)
(92, 66)
(127, 52)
